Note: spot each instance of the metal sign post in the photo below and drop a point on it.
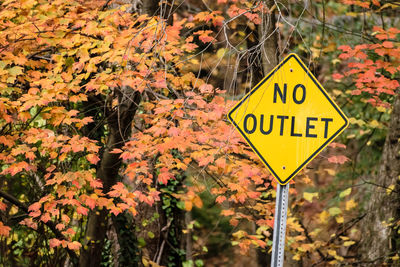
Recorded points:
(278, 243)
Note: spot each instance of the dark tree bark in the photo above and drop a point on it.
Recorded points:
(380, 238)
(119, 122)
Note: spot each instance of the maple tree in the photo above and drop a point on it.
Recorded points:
(113, 120)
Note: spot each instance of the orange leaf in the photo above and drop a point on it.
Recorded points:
(92, 158)
(188, 205)
(54, 242)
(60, 226)
(220, 199)
(338, 159)
(4, 230)
(75, 245)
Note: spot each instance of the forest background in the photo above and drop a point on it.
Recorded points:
(115, 148)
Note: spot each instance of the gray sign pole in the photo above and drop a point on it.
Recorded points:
(278, 243)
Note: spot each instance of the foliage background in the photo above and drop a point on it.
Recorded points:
(115, 149)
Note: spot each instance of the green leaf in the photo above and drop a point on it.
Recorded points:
(334, 211)
(345, 193)
(187, 263)
(14, 71)
(150, 234)
(141, 242)
(199, 263)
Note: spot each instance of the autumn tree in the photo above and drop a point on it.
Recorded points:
(114, 140)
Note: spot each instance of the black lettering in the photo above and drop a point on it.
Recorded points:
(292, 133)
(309, 126)
(282, 118)
(254, 123)
(326, 120)
(295, 94)
(277, 89)
(270, 124)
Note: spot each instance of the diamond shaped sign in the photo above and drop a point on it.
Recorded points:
(288, 118)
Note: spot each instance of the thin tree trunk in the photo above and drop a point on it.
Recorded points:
(380, 237)
(268, 33)
(269, 58)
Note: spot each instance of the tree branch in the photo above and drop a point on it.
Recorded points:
(49, 224)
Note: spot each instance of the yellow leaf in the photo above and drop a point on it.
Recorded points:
(13, 210)
(296, 257)
(330, 171)
(195, 61)
(340, 219)
(381, 109)
(374, 124)
(221, 52)
(390, 189)
(388, 5)
(395, 258)
(239, 234)
(323, 216)
(332, 252)
(355, 121)
(309, 196)
(352, 14)
(348, 243)
(350, 204)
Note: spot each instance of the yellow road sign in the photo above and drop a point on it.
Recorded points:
(288, 118)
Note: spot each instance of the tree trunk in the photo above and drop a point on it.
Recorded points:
(269, 58)
(380, 236)
(269, 38)
(119, 123)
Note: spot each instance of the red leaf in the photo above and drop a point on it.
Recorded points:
(338, 159)
(165, 176)
(45, 217)
(82, 210)
(337, 76)
(337, 145)
(34, 207)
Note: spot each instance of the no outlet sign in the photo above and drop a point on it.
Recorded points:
(288, 118)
